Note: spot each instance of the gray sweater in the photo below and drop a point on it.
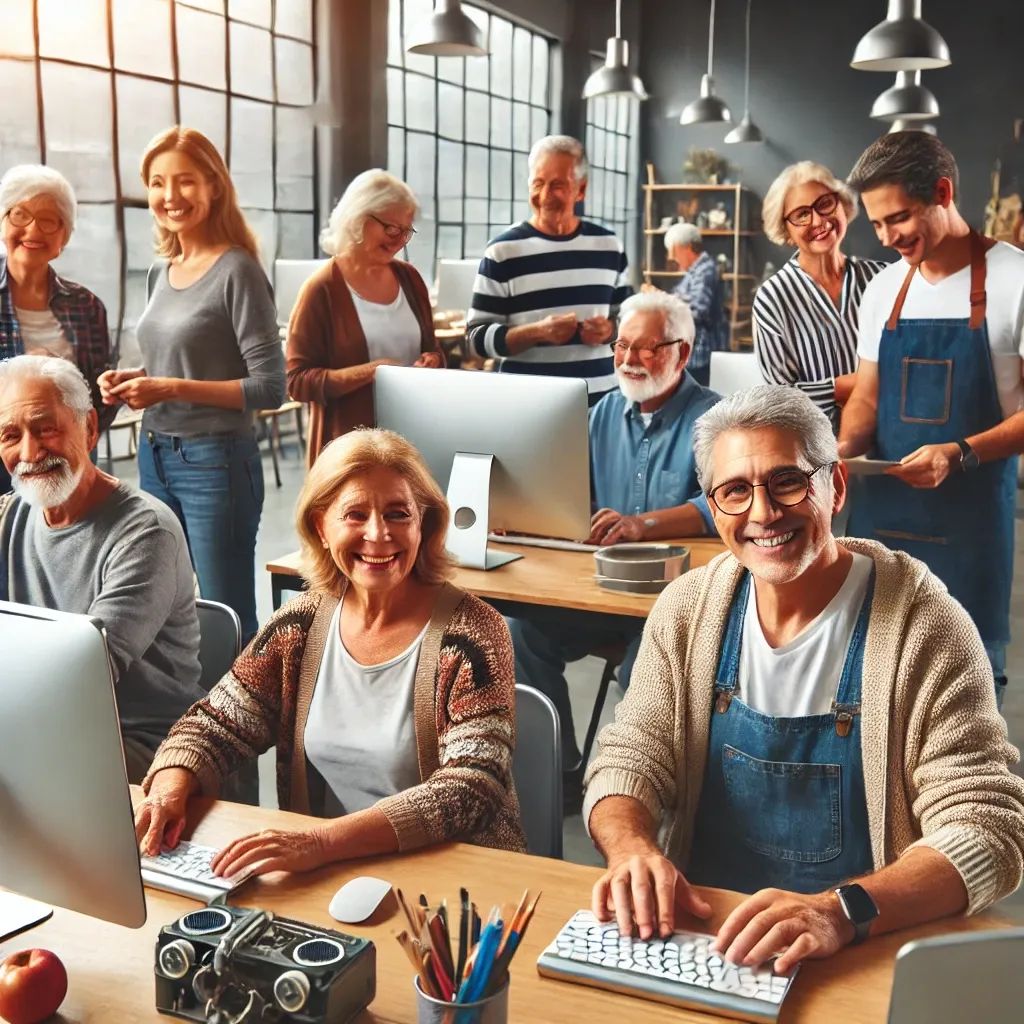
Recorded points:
(125, 563)
(221, 327)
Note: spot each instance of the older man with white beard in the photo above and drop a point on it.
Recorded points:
(74, 539)
(645, 486)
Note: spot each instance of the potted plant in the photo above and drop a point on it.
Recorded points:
(704, 167)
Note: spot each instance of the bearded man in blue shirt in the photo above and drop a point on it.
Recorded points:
(644, 480)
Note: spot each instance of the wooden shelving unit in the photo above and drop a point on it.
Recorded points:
(739, 312)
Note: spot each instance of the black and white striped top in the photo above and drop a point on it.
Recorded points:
(801, 338)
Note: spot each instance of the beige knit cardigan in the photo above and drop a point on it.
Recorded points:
(936, 757)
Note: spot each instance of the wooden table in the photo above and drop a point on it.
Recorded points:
(111, 968)
(560, 579)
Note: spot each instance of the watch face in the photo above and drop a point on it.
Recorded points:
(859, 905)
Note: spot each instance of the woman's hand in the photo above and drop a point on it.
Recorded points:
(160, 818)
(273, 850)
(432, 360)
(110, 379)
(141, 392)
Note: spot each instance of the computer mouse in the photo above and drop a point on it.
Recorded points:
(357, 899)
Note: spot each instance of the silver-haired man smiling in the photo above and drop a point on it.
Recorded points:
(812, 721)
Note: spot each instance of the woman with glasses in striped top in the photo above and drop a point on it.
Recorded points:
(806, 315)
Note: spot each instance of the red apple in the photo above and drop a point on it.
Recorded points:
(33, 984)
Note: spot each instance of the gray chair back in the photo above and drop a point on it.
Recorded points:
(537, 771)
(220, 640)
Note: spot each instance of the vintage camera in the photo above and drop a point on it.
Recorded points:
(236, 965)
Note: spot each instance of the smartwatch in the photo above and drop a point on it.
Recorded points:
(859, 908)
(968, 457)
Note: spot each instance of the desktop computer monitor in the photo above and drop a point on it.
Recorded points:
(511, 450)
(67, 833)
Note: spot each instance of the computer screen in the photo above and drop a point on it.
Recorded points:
(67, 832)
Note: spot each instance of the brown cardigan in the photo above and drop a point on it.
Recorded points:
(325, 334)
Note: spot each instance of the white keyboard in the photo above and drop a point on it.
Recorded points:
(680, 970)
(185, 870)
(542, 542)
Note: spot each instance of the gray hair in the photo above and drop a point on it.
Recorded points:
(684, 234)
(773, 210)
(768, 405)
(678, 318)
(561, 144)
(914, 160)
(367, 194)
(26, 181)
(61, 373)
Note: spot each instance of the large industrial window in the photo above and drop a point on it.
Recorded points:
(88, 83)
(461, 128)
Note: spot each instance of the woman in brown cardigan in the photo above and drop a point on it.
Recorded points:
(388, 692)
(363, 309)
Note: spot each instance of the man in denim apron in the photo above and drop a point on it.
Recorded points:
(810, 721)
(939, 386)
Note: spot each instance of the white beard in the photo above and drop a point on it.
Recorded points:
(650, 387)
(47, 491)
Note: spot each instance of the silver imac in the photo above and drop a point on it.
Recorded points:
(67, 834)
(511, 450)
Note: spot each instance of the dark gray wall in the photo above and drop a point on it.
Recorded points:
(809, 102)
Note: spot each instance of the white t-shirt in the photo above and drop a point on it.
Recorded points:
(950, 299)
(391, 328)
(42, 334)
(801, 678)
(360, 733)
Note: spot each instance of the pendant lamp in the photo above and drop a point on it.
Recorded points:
(746, 130)
(708, 109)
(908, 99)
(614, 78)
(448, 32)
(903, 42)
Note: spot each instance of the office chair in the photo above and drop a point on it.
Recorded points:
(537, 771)
(220, 641)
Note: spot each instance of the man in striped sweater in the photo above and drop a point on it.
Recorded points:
(548, 290)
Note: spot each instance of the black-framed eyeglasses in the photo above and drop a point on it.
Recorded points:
(822, 206)
(643, 351)
(48, 223)
(395, 230)
(786, 487)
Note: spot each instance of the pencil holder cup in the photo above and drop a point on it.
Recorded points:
(493, 1010)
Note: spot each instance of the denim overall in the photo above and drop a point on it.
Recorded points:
(783, 802)
(936, 385)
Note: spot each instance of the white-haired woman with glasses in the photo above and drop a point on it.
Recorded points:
(806, 315)
(363, 309)
(42, 313)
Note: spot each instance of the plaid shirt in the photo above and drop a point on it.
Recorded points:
(83, 318)
(701, 290)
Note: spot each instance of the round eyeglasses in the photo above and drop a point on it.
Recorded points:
(822, 206)
(48, 223)
(395, 230)
(785, 487)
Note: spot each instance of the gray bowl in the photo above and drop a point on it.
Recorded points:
(641, 563)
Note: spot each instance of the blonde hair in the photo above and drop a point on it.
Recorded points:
(774, 208)
(351, 455)
(226, 223)
(367, 194)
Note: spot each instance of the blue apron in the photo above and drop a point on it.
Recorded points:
(936, 385)
(782, 805)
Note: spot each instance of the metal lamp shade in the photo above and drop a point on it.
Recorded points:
(902, 125)
(614, 78)
(448, 32)
(708, 109)
(907, 99)
(745, 131)
(903, 42)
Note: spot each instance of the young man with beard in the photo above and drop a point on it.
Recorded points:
(644, 479)
(74, 539)
(548, 290)
(939, 386)
(810, 720)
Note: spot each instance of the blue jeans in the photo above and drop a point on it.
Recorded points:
(997, 656)
(214, 485)
(546, 640)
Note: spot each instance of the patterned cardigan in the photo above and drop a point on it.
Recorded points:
(464, 707)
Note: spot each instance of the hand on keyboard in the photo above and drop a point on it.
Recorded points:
(160, 817)
(611, 527)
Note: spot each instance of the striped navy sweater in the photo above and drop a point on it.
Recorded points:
(526, 275)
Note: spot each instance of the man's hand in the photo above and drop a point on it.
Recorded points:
(432, 360)
(775, 922)
(142, 392)
(273, 850)
(558, 329)
(646, 888)
(609, 527)
(928, 466)
(596, 331)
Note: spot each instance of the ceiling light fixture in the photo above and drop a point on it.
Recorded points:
(614, 78)
(746, 130)
(903, 42)
(708, 109)
(448, 32)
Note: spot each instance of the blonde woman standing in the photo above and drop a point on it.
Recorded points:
(212, 358)
(363, 309)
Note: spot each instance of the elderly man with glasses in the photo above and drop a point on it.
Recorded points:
(811, 721)
(645, 487)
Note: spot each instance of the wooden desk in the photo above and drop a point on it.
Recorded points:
(110, 968)
(560, 579)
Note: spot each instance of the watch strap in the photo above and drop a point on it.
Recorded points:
(859, 908)
(968, 456)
